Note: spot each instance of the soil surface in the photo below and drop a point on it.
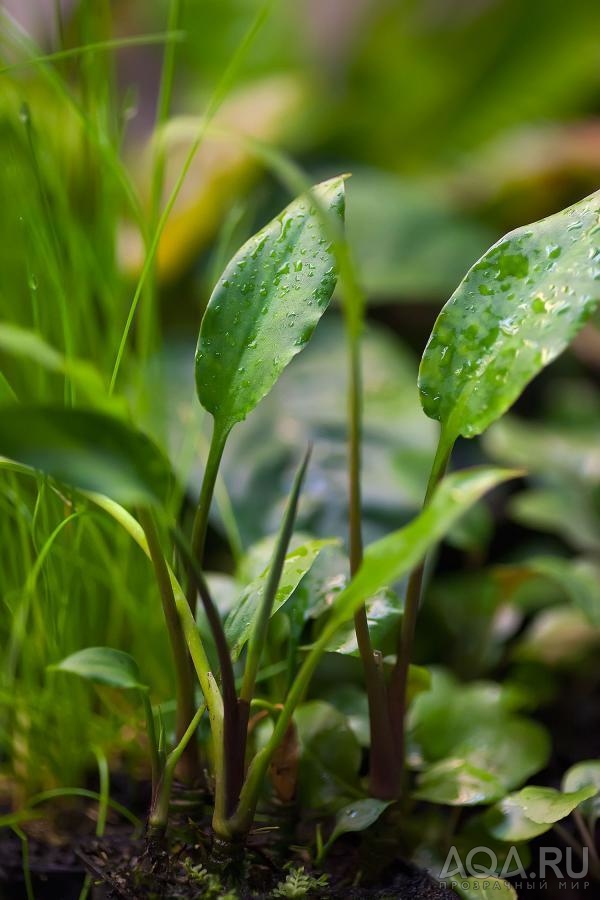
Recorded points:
(121, 868)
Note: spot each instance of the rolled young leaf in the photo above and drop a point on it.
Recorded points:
(517, 308)
(267, 304)
(87, 450)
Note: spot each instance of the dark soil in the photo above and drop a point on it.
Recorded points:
(122, 868)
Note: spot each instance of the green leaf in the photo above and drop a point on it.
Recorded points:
(357, 816)
(517, 308)
(88, 450)
(384, 614)
(267, 304)
(512, 749)
(580, 776)
(532, 811)
(387, 560)
(456, 782)
(298, 562)
(487, 887)
(103, 665)
(21, 342)
(331, 756)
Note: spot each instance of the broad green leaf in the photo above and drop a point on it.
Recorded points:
(103, 665)
(456, 782)
(331, 756)
(387, 560)
(352, 701)
(357, 816)
(510, 748)
(267, 304)
(580, 776)
(88, 450)
(384, 614)
(486, 887)
(507, 821)
(545, 806)
(298, 562)
(532, 811)
(517, 308)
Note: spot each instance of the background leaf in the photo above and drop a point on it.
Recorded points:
(85, 449)
(533, 811)
(266, 306)
(297, 563)
(357, 816)
(518, 307)
(580, 776)
(103, 665)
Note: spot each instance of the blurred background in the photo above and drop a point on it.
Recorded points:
(458, 119)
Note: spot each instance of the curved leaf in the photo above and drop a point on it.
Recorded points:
(298, 562)
(103, 665)
(532, 811)
(518, 307)
(387, 560)
(88, 450)
(266, 306)
(357, 816)
(584, 775)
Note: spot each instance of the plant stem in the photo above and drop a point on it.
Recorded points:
(160, 808)
(260, 625)
(199, 529)
(400, 672)
(189, 768)
(588, 838)
(154, 754)
(235, 714)
(382, 767)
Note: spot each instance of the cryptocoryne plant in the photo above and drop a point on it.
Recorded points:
(516, 309)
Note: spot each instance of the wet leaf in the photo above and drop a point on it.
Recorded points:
(357, 816)
(580, 776)
(103, 665)
(518, 307)
(87, 450)
(266, 306)
(532, 811)
(298, 562)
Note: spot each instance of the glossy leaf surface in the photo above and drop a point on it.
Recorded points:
(532, 811)
(297, 563)
(86, 450)
(357, 816)
(103, 665)
(267, 305)
(583, 775)
(518, 307)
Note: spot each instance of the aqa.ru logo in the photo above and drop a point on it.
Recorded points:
(482, 863)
